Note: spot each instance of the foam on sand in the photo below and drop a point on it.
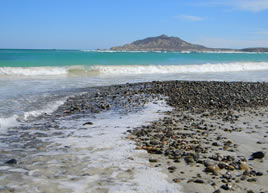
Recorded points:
(101, 151)
(16, 120)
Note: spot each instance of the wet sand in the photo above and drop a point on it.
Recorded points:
(207, 146)
(203, 143)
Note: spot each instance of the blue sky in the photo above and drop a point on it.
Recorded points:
(91, 24)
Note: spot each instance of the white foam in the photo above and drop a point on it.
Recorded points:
(165, 69)
(133, 69)
(104, 148)
(8, 122)
(15, 120)
(51, 107)
(32, 71)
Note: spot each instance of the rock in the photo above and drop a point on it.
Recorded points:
(12, 161)
(243, 166)
(257, 155)
(189, 159)
(212, 169)
(172, 168)
(252, 180)
(227, 186)
(152, 160)
(199, 181)
(88, 123)
(177, 180)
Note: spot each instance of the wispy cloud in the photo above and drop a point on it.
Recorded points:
(191, 18)
(245, 5)
(251, 5)
(262, 32)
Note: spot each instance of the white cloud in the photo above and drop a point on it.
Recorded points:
(251, 5)
(191, 18)
(264, 33)
(245, 5)
(216, 42)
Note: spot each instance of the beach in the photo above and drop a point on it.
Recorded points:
(170, 136)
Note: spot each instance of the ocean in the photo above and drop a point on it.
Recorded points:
(34, 83)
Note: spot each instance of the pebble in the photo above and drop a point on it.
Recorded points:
(88, 123)
(152, 160)
(199, 181)
(257, 155)
(11, 161)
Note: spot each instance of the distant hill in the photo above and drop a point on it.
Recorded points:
(160, 43)
(254, 50)
(166, 43)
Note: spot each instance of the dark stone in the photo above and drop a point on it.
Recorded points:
(199, 181)
(152, 160)
(226, 186)
(88, 123)
(12, 161)
(257, 155)
(252, 180)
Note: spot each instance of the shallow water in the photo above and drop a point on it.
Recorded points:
(62, 155)
(71, 157)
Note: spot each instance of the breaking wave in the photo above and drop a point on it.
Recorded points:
(15, 120)
(97, 70)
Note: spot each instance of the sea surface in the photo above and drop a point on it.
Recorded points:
(34, 82)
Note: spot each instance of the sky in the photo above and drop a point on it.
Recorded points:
(92, 24)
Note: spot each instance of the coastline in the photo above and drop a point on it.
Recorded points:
(205, 143)
(212, 126)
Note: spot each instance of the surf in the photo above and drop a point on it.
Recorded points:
(97, 70)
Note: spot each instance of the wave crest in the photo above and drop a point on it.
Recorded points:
(132, 69)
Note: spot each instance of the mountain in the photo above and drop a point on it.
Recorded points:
(166, 43)
(160, 43)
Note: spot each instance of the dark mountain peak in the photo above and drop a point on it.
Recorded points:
(163, 36)
(160, 43)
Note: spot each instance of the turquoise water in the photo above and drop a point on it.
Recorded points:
(35, 82)
(38, 58)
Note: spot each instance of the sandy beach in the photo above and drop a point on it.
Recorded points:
(206, 143)
(206, 137)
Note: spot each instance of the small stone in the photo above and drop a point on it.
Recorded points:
(130, 158)
(258, 155)
(243, 166)
(88, 123)
(12, 161)
(189, 159)
(172, 168)
(199, 181)
(227, 186)
(177, 180)
(217, 191)
(152, 160)
(252, 180)
(212, 169)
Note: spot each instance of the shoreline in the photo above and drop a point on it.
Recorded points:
(206, 147)
(182, 144)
